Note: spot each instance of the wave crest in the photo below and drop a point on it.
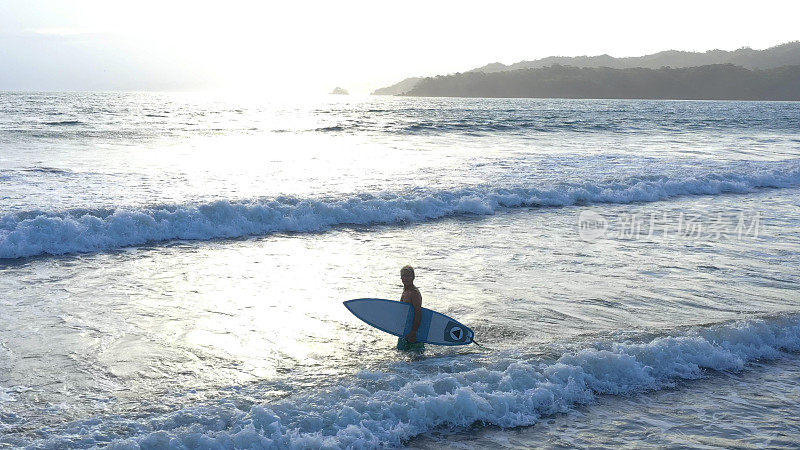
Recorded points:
(34, 233)
(387, 409)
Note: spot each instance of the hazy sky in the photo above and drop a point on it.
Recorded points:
(314, 46)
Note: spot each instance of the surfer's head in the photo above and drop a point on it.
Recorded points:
(407, 275)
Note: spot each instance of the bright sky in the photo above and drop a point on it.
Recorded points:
(314, 46)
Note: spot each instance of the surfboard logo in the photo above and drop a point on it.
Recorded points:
(453, 332)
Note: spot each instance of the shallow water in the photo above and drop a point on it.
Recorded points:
(173, 270)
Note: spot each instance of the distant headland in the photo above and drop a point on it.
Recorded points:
(339, 91)
(743, 74)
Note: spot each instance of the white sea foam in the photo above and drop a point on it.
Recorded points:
(30, 233)
(5, 396)
(408, 403)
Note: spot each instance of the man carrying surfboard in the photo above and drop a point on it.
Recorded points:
(411, 295)
(407, 319)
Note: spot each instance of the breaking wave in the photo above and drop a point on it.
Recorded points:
(31, 233)
(378, 409)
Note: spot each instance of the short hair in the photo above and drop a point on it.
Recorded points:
(407, 269)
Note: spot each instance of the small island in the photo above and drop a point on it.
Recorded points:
(339, 91)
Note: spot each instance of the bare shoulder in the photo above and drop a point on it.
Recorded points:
(412, 296)
(416, 297)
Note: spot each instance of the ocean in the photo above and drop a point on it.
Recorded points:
(173, 267)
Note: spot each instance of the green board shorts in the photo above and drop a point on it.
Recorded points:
(403, 344)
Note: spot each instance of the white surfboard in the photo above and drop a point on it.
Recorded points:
(397, 318)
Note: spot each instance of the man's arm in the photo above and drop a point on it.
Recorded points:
(416, 302)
